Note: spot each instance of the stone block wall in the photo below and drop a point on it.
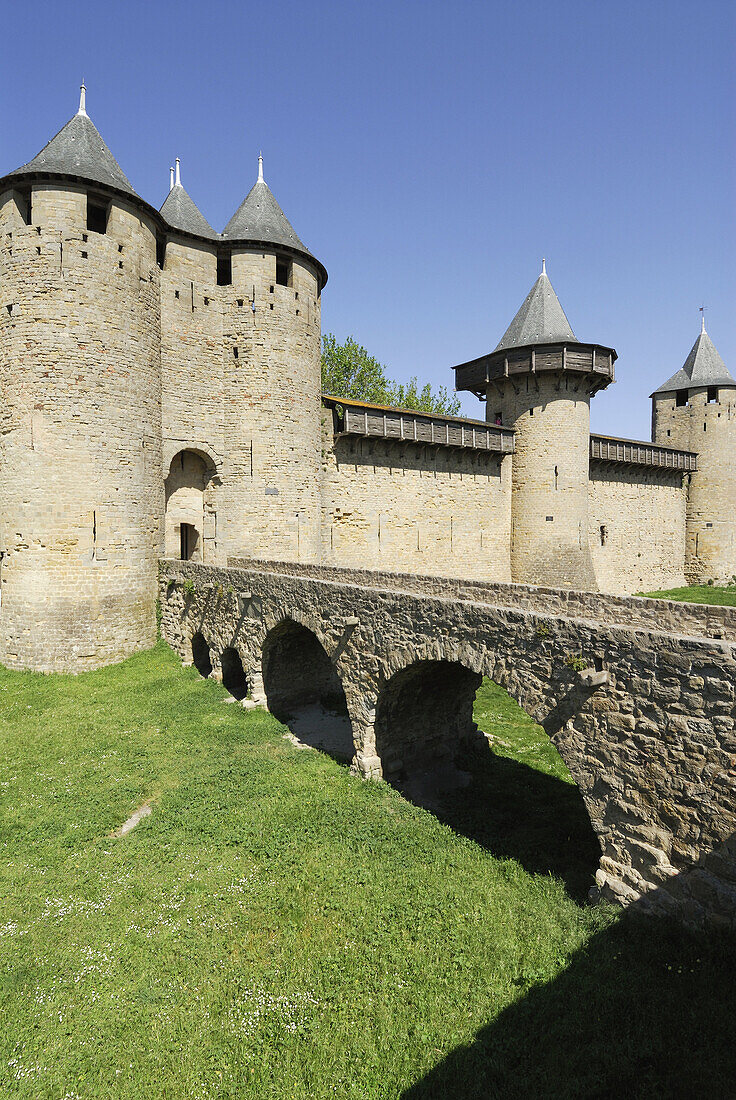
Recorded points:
(636, 527)
(405, 506)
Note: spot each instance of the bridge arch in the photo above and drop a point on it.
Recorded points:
(201, 654)
(303, 688)
(235, 679)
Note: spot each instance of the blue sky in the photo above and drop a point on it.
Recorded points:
(430, 154)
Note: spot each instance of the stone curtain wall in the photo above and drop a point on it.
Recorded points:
(652, 748)
(408, 506)
(81, 492)
(642, 512)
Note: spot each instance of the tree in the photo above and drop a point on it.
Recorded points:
(349, 371)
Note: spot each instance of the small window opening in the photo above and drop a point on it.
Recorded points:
(84, 255)
(240, 303)
(556, 476)
(176, 293)
(120, 248)
(705, 427)
(84, 238)
(669, 432)
(271, 289)
(297, 313)
(531, 412)
(498, 418)
(120, 264)
(235, 353)
(271, 306)
(161, 254)
(283, 272)
(38, 250)
(296, 295)
(604, 534)
(224, 270)
(97, 213)
(206, 301)
(712, 394)
(681, 398)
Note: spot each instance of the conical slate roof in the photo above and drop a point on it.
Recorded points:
(703, 367)
(78, 150)
(181, 212)
(260, 218)
(540, 320)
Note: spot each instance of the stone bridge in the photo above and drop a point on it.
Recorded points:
(636, 695)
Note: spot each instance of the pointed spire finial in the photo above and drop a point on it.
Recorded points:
(82, 99)
(177, 174)
(544, 266)
(171, 179)
(260, 166)
(702, 319)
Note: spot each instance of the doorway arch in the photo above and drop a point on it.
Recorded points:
(191, 516)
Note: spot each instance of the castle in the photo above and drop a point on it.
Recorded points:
(162, 398)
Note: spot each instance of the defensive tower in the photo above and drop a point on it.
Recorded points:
(539, 379)
(80, 459)
(696, 409)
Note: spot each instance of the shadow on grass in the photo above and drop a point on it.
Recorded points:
(517, 812)
(645, 1010)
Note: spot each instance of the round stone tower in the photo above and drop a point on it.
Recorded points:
(539, 380)
(80, 449)
(272, 327)
(696, 410)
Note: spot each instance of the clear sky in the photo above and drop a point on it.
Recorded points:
(430, 154)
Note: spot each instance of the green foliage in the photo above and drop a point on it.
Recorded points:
(576, 662)
(349, 371)
(278, 928)
(698, 594)
(188, 586)
(542, 630)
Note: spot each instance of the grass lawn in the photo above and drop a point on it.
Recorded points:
(704, 593)
(279, 928)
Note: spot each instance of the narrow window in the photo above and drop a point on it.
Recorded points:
(224, 270)
(531, 412)
(681, 398)
(161, 252)
(235, 353)
(604, 534)
(712, 394)
(498, 418)
(176, 293)
(97, 213)
(556, 476)
(23, 202)
(283, 272)
(669, 432)
(240, 303)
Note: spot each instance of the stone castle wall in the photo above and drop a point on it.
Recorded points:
(406, 506)
(636, 528)
(81, 495)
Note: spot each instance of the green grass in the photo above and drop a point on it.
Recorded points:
(279, 928)
(705, 593)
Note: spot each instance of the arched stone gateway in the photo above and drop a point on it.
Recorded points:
(304, 691)
(191, 507)
(637, 696)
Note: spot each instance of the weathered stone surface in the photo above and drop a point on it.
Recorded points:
(660, 795)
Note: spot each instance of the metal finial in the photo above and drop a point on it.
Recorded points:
(82, 99)
(260, 166)
(171, 179)
(544, 266)
(177, 174)
(702, 319)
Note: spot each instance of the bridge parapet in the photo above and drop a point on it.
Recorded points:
(689, 620)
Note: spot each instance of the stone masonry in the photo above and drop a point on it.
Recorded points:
(643, 712)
